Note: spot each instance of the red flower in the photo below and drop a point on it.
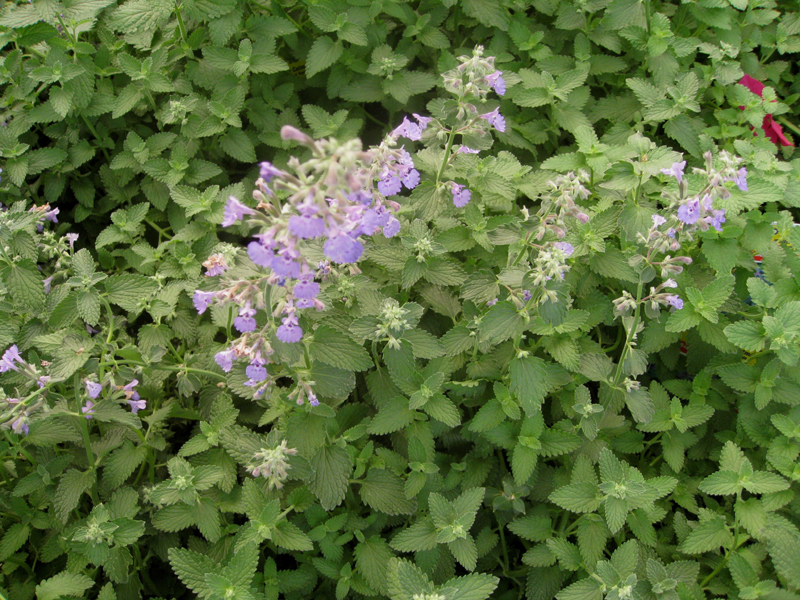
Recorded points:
(771, 128)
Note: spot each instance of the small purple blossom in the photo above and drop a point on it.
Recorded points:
(495, 119)
(670, 283)
(286, 266)
(411, 179)
(491, 302)
(47, 283)
(10, 357)
(93, 389)
(466, 150)
(137, 405)
(215, 265)
(256, 370)
(389, 184)
(202, 300)
(290, 332)
(235, 211)
(658, 220)
(408, 130)
(88, 409)
(312, 399)
(565, 247)
(304, 303)
(267, 171)
(245, 322)
(392, 228)
(675, 300)
(461, 195)
(260, 254)
(71, 238)
(343, 249)
(676, 170)
(716, 219)
(306, 288)
(225, 359)
(20, 425)
(741, 179)
(423, 121)
(689, 212)
(306, 227)
(527, 295)
(496, 81)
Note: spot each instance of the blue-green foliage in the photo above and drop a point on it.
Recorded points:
(495, 414)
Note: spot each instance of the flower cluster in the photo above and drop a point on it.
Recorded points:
(272, 464)
(471, 82)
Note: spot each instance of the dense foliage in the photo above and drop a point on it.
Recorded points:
(426, 300)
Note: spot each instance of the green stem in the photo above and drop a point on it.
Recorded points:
(89, 456)
(160, 231)
(181, 26)
(96, 136)
(446, 159)
(174, 369)
(730, 551)
(629, 334)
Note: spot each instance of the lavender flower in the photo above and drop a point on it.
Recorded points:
(245, 322)
(461, 195)
(202, 300)
(290, 332)
(675, 300)
(88, 409)
(260, 254)
(267, 171)
(565, 247)
(676, 170)
(491, 302)
(137, 405)
(306, 227)
(71, 238)
(20, 425)
(495, 119)
(256, 370)
(716, 219)
(47, 283)
(225, 359)
(496, 81)
(741, 179)
(235, 211)
(408, 130)
(93, 389)
(466, 150)
(689, 212)
(670, 283)
(411, 179)
(215, 265)
(392, 228)
(389, 184)
(526, 295)
(10, 357)
(312, 399)
(306, 288)
(423, 121)
(658, 220)
(343, 249)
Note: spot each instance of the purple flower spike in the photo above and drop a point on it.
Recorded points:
(306, 227)
(689, 212)
(93, 389)
(235, 211)
(88, 409)
(202, 300)
(495, 119)
(392, 228)
(497, 82)
(408, 130)
(461, 195)
(676, 170)
(343, 249)
(225, 359)
(290, 332)
(137, 405)
(245, 322)
(306, 289)
(675, 300)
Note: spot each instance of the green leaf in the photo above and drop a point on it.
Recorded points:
(331, 468)
(63, 584)
(70, 489)
(385, 492)
(191, 568)
(477, 586)
(13, 539)
(528, 380)
(501, 322)
(24, 283)
(324, 52)
(237, 144)
(289, 536)
(784, 548)
(580, 497)
(337, 349)
(707, 536)
(747, 335)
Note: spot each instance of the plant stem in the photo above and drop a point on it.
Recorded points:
(730, 551)
(630, 333)
(446, 159)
